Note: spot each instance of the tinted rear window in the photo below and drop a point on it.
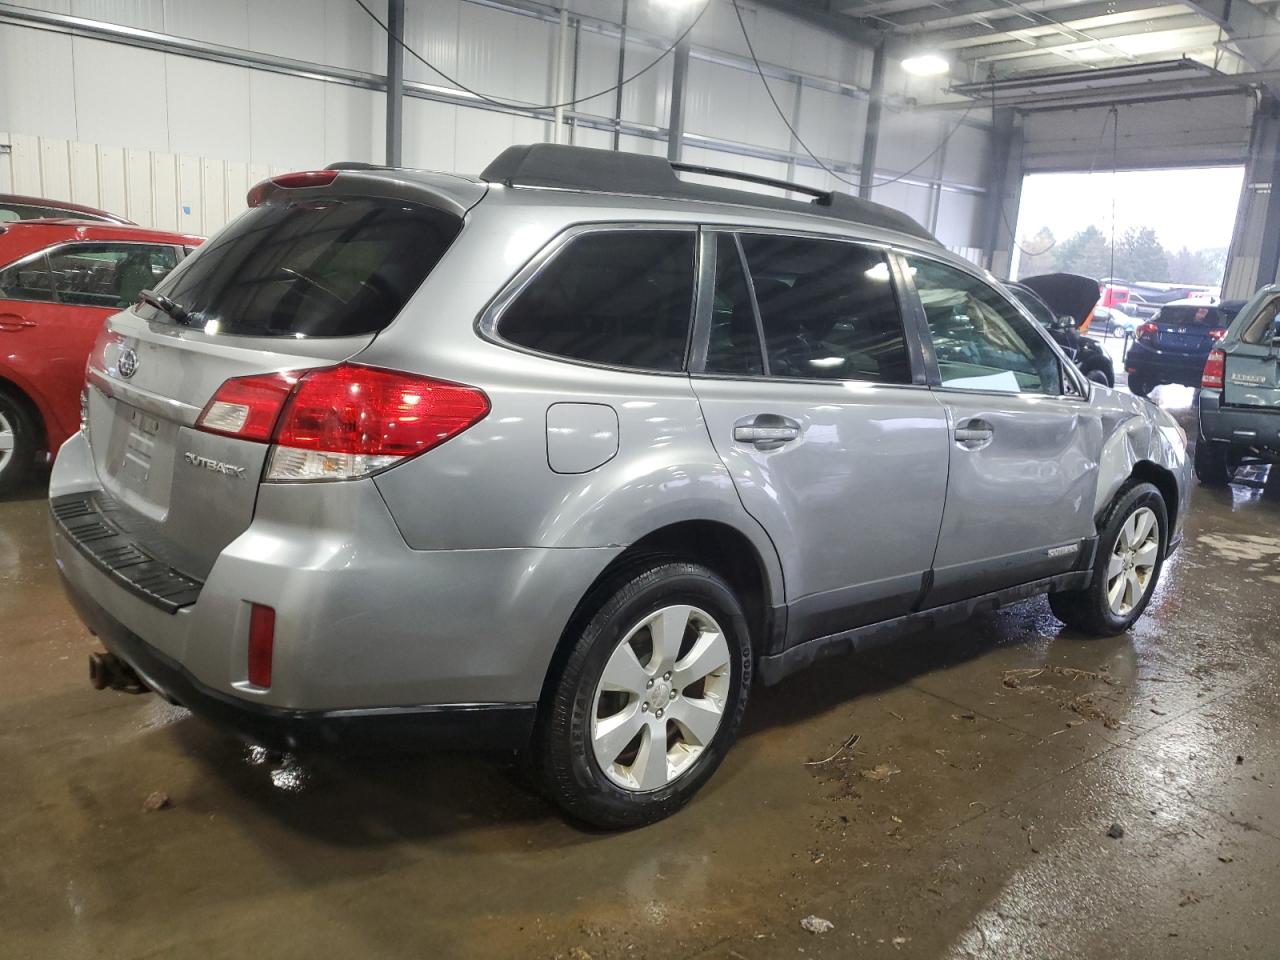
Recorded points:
(619, 298)
(316, 268)
(1195, 316)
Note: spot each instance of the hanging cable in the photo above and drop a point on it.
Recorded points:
(516, 104)
(804, 146)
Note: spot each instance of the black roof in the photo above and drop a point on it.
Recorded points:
(610, 171)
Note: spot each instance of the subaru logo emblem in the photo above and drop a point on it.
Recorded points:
(127, 365)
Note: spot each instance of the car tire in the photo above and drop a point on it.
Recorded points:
(1099, 376)
(622, 674)
(1133, 538)
(1213, 463)
(17, 443)
(1138, 386)
(1118, 329)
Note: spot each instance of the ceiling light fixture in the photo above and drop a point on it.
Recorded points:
(926, 64)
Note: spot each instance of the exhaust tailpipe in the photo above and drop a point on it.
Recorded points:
(109, 672)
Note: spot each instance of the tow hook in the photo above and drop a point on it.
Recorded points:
(109, 672)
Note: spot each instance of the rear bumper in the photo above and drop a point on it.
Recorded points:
(1158, 366)
(1240, 425)
(472, 726)
(368, 632)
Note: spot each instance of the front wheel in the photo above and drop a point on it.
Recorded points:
(1213, 464)
(649, 699)
(1134, 534)
(1138, 386)
(1099, 376)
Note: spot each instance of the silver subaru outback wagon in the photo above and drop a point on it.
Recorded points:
(558, 458)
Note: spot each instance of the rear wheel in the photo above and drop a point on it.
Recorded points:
(1131, 546)
(650, 697)
(1214, 462)
(1138, 386)
(17, 443)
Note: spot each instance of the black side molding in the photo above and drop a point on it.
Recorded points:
(772, 669)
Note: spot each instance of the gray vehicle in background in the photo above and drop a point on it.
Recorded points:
(1240, 394)
(559, 458)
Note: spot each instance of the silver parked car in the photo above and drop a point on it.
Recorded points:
(559, 458)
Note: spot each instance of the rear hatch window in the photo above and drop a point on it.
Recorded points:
(1188, 328)
(338, 267)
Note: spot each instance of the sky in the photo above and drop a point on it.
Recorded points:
(1195, 208)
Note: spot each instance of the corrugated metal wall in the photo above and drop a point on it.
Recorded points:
(172, 140)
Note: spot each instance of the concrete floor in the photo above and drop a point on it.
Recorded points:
(970, 818)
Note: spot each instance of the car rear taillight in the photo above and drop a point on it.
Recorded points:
(343, 422)
(1147, 330)
(1217, 333)
(290, 181)
(1214, 370)
(247, 407)
(262, 641)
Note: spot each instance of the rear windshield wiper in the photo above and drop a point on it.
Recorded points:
(163, 303)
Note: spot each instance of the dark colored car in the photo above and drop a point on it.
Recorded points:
(14, 207)
(59, 280)
(1088, 356)
(1240, 394)
(1173, 346)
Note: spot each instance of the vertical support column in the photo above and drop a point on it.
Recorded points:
(871, 136)
(1257, 226)
(557, 87)
(622, 75)
(395, 81)
(679, 79)
(1004, 192)
(795, 125)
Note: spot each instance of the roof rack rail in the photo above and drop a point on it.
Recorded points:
(593, 170)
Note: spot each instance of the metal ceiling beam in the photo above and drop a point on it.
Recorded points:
(1147, 91)
(1253, 31)
(962, 11)
(1057, 43)
(1079, 12)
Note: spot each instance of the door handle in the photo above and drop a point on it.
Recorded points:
(13, 323)
(974, 434)
(768, 430)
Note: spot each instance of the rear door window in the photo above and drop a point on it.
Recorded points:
(733, 346)
(28, 279)
(336, 267)
(108, 275)
(621, 298)
(827, 309)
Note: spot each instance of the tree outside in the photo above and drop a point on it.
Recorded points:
(1139, 255)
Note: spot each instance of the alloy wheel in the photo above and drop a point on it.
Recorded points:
(661, 697)
(1133, 561)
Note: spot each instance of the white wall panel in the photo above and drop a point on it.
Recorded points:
(289, 28)
(147, 14)
(431, 28)
(429, 131)
(503, 55)
(55, 169)
(218, 21)
(84, 173)
(647, 98)
(480, 136)
(164, 187)
(286, 120)
(958, 220)
(112, 187)
(351, 39)
(190, 210)
(46, 108)
(598, 70)
(237, 187)
(355, 124)
(139, 194)
(121, 95)
(207, 109)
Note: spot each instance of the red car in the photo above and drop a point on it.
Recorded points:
(59, 280)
